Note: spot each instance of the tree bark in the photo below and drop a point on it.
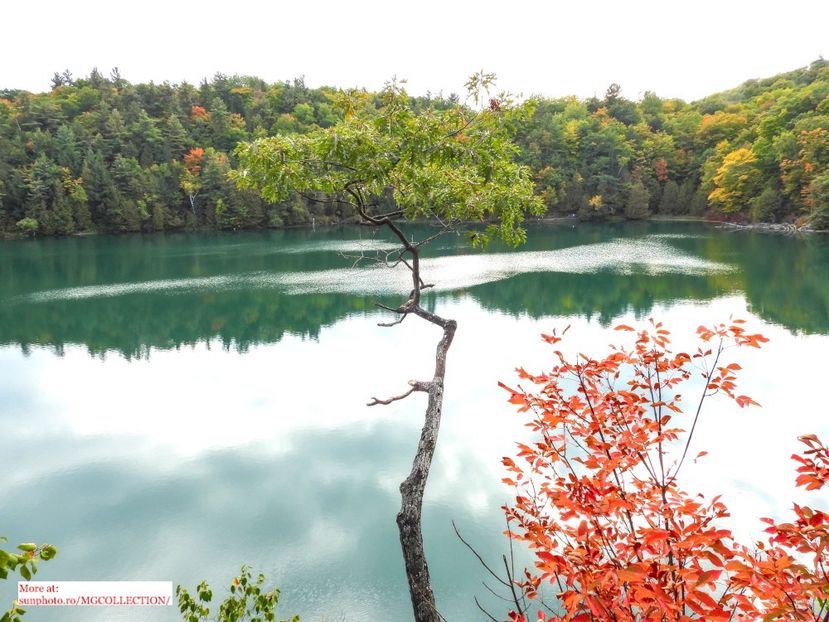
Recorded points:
(413, 487)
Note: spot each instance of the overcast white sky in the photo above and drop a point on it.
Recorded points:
(676, 48)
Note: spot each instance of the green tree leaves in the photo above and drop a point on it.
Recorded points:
(247, 601)
(25, 563)
(446, 165)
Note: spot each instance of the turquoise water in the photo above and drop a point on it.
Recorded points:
(176, 405)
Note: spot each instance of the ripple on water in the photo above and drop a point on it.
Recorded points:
(643, 256)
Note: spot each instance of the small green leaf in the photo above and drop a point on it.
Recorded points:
(48, 551)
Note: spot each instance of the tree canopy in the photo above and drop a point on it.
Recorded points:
(100, 154)
(448, 165)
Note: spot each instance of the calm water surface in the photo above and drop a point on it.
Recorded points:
(174, 406)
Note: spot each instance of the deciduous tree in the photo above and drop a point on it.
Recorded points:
(191, 181)
(599, 499)
(445, 166)
(737, 181)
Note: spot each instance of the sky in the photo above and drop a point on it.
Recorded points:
(675, 48)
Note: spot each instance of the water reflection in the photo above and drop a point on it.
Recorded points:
(117, 295)
(299, 482)
(218, 426)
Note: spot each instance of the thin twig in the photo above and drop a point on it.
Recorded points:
(480, 559)
(416, 385)
(395, 323)
(495, 594)
(672, 478)
(512, 585)
(485, 612)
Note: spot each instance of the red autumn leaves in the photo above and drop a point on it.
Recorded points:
(598, 497)
(193, 161)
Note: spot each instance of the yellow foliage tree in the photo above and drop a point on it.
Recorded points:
(737, 181)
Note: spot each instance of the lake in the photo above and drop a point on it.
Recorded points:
(174, 406)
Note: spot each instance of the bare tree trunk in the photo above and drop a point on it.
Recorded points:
(412, 489)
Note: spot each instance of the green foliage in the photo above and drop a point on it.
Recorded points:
(819, 216)
(448, 165)
(28, 225)
(669, 203)
(765, 206)
(102, 154)
(636, 206)
(124, 145)
(24, 563)
(778, 129)
(247, 601)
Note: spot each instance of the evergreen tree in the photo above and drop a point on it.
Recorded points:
(636, 206)
(669, 204)
(66, 149)
(176, 141)
(766, 205)
(104, 199)
(686, 196)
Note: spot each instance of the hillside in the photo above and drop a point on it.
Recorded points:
(101, 154)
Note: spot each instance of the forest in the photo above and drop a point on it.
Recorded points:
(99, 154)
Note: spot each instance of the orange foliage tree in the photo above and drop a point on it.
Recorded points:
(660, 169)
(598, 498)
(197, 113)
(191, 181)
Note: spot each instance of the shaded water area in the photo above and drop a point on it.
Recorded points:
(172, 406)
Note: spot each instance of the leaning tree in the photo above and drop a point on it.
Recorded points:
(444, 166)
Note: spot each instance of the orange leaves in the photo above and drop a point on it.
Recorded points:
(516, 398)
(753, 340)
(733, 331)
(553, 337)
(744, 400)
(197, 113)
(193, 160)
(632, 574)
(814, 469)
(598, 501)
(660, 169)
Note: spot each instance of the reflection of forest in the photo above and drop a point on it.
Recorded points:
(136, 323)
(786, 280)
(783, 279)
(605, 295)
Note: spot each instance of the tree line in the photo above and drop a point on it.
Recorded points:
(101, 154)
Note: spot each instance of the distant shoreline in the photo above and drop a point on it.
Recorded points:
(788, 228)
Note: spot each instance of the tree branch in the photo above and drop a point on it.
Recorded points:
(416, 386)
(395, 323)
(400, 309)
(480, 559)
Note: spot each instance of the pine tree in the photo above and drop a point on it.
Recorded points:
(669, 204)
(636, 206)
